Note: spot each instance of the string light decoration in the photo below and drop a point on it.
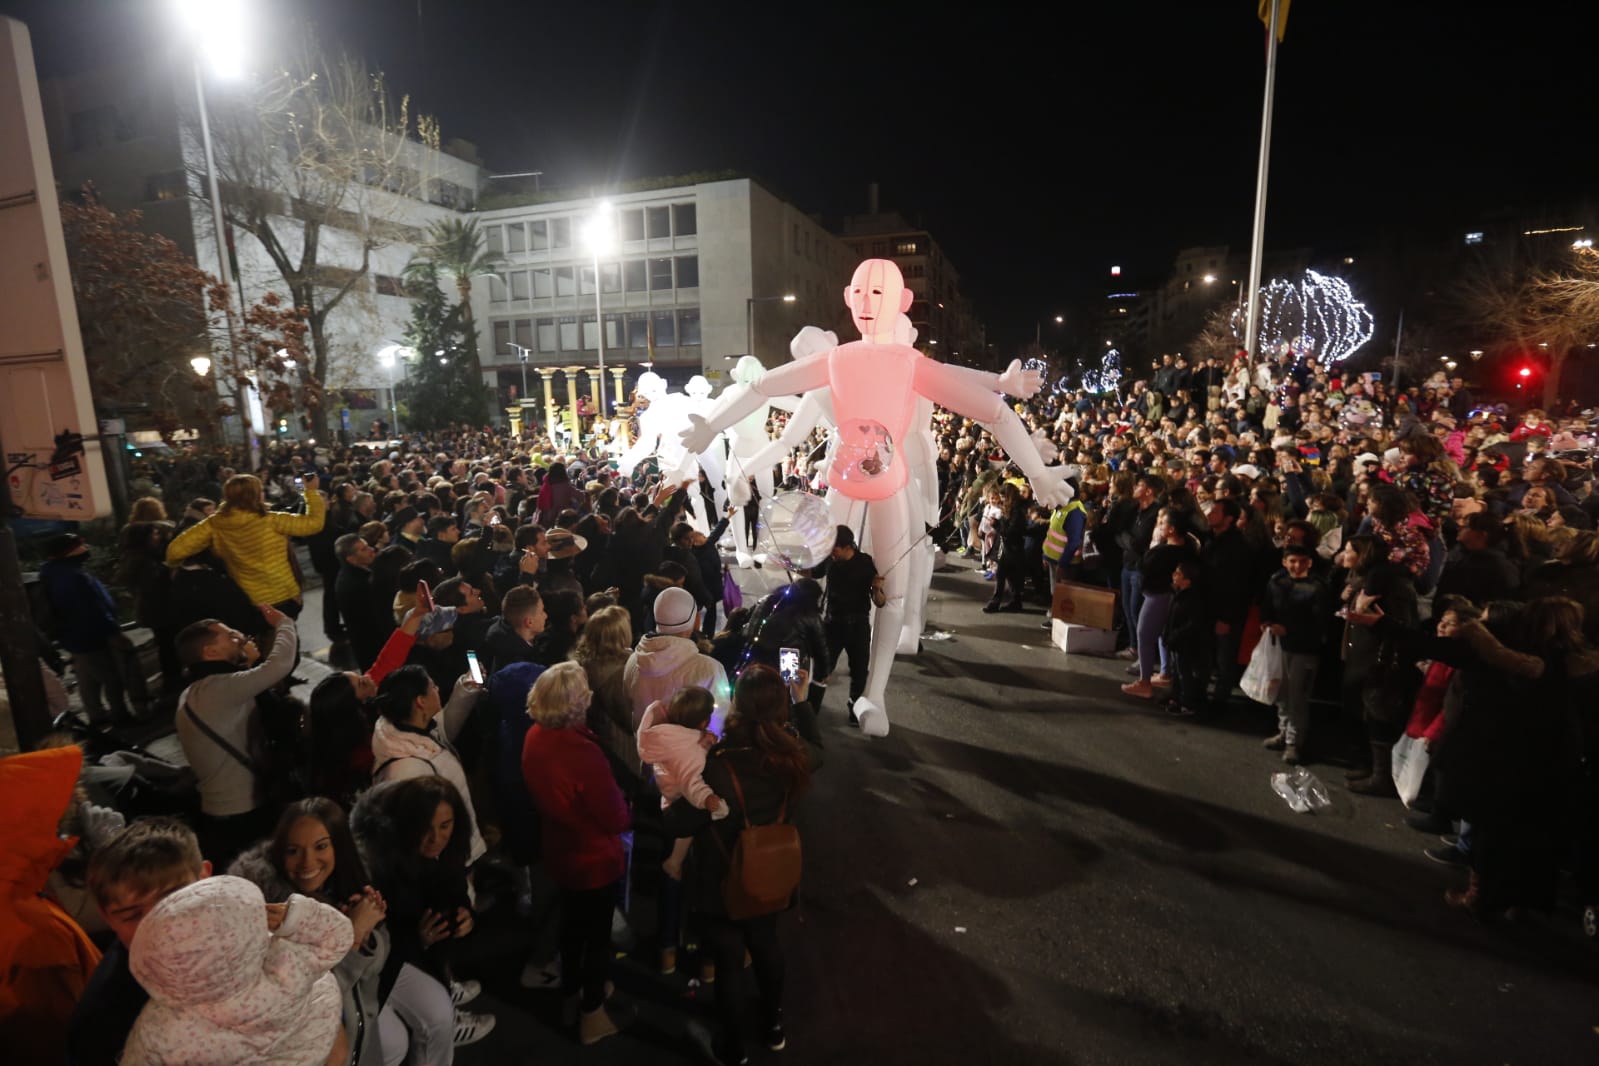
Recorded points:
(1317, 317)
(1108, 375)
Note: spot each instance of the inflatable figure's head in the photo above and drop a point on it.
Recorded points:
(809, 341)
(877, 297)
(698, 387)
(748, 370)
(651, 385)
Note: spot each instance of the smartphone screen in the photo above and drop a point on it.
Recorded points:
(474, 668)
(788, 664)
(424, 596)
(299, 484)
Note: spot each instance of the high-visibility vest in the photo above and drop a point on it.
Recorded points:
(1055, 539)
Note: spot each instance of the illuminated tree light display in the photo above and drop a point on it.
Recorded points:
(1108, 376)
(1317, 317)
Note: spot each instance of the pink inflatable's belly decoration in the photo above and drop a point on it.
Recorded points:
(873, 401)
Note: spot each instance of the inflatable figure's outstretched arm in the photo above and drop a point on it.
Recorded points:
(1015, 381)
(641, 450)
(784, 381)
(799, 427)
(965, 397)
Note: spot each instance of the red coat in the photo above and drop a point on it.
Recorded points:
(582, 811)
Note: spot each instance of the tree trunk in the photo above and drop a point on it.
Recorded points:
(463, 287)
(1551, 381)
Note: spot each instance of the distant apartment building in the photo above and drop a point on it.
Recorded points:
(697, 277)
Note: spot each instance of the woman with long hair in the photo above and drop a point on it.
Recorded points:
(253, 542)
(762, 766)
(1011, 568)
(387, 1012)
(413, 738)
(582, 816)
(1376, 681)
(602, 651)
(412, 839)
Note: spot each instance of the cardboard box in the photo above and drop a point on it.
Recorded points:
(1084, 605)
(1082, 640)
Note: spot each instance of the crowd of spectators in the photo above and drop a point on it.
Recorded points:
(541, 673)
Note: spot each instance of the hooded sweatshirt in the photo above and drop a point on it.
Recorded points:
(224, 990)
(662, 664)
(399, 752)
(45, 959)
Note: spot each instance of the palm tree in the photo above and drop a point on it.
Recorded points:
(455, 247)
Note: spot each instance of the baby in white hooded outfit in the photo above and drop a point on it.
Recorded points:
(225, 990)
(673, 737)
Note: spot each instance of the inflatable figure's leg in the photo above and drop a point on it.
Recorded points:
(920, 563)
(888, 529)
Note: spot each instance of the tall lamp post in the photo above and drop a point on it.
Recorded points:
(600, 235)
(522, 354)
(216, 28)
(388, 355)
(749, 316)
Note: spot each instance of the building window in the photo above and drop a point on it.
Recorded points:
(905, 248)
(585, 281)
(173, 185)
(502, 337)
(515, 237)
(688, 328)
(520, 289)
(665, 334)
(688, 271)
(540, 231)
(1474, 237)
(560, 233)
(685, 221)
(660, 274)
(569, 335)
(590, 335)
(660, 222)
(795, 249)
(445, 194)
(610, 277)
(497, 289)
(494, 240)
(546, 332)
(638, 329)
(634, 275)
(97, 128)
(613, 332)
(524, 332)
(565, 282)
(543, 284)
(632, 225)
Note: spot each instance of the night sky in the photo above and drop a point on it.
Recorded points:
(1038, 147)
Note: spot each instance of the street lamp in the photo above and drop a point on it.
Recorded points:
(522, 354)
(388, 355)
(599, 233)
(749, 316)
(201, 365)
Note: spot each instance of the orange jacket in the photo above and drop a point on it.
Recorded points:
(45, 959)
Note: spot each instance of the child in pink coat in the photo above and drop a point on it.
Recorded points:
(226, 989)
(673, 738)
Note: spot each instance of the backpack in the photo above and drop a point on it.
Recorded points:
(763, 870)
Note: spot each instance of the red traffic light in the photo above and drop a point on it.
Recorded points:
(1525, 372)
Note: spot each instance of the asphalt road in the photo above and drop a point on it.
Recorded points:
(1032, 868)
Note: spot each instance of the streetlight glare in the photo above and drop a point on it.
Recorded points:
(599, 232)
(790, 298)
(218, 30)
(201, 365)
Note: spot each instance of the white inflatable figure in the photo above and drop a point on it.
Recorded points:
(712, 460)
(660, 426)
(747, 438)
(876, 382)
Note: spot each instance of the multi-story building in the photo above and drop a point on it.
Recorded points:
(697, 276)
(945, 323)
(130, 130)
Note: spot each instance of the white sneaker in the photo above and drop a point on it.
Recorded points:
(470, 1028)
(462, 992)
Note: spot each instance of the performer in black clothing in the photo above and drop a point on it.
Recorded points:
(853, 587)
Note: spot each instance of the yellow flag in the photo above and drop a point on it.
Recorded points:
(1282, 17)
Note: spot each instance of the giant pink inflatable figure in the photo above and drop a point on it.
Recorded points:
(876, 384)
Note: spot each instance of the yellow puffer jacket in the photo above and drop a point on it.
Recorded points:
(255, 548)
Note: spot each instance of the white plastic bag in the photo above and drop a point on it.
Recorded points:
(1301, 790)
(1263, 678)
(1409, 767)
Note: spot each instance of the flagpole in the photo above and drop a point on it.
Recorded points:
(1258, 244)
